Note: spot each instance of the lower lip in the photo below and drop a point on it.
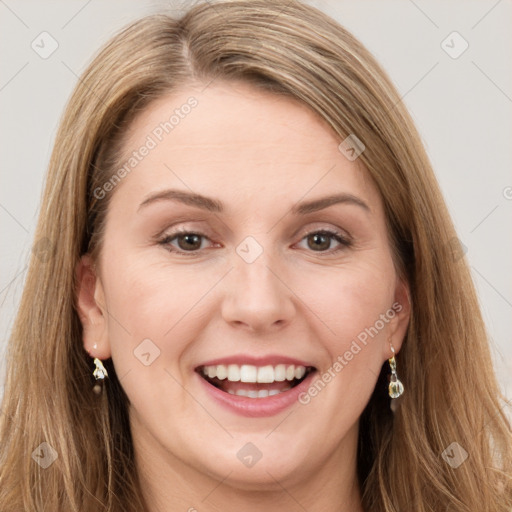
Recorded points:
(257, 407)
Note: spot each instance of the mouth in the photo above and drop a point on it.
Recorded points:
(254, 381)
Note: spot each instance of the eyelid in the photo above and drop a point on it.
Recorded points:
(165, 240)
(342, 238)
(323, 226)
(342, 233)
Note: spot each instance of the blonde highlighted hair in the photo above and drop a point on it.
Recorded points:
(294, 50)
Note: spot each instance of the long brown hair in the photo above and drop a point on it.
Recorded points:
(294, 50)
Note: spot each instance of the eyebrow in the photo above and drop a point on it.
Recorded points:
(213, 205)
(189, 198)
(324, 202)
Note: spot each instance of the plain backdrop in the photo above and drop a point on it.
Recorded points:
(460, 100)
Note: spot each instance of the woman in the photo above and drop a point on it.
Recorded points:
(253, 299)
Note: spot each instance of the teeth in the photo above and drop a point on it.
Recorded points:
(280, 373)
(222, 372)
(266, 374)
(233, 373)
(262, 393)
(300, 372)
(249, 373)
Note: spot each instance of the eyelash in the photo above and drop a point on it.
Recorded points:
(166, 241)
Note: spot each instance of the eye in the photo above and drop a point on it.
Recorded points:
(320, 241)
(187, 242)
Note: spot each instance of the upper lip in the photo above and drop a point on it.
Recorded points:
(255, 361)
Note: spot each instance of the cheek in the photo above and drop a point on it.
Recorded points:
(348, 299)
(147, 304)
(353, 304)
(147, 293)
(151, 321)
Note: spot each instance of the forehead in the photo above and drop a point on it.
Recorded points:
(237, 142)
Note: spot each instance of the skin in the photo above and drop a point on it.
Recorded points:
(259, 154)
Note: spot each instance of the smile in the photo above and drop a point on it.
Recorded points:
(253, 381)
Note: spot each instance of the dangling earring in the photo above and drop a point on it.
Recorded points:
(396, 388)
(99, 373)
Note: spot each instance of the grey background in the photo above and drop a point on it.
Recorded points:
(462, 108)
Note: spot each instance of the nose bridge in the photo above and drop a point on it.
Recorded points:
(256, 296)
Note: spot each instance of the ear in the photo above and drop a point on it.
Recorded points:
(91, 309)
(400, 322)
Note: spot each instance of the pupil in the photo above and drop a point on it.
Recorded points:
(191, 240)
(320, 241)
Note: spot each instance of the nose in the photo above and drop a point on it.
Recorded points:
(256, 296)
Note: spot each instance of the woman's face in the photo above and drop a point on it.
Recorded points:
(244, 245)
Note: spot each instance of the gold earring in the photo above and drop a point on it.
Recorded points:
(396, 388)
(99, 373)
